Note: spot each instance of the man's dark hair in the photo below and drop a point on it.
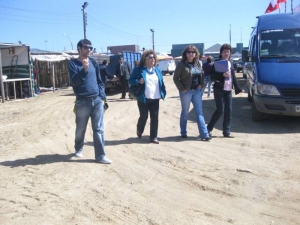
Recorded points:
(83, 41)
(209, 59)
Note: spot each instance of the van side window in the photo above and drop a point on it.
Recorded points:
(252, 48)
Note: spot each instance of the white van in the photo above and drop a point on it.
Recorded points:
(166, 66)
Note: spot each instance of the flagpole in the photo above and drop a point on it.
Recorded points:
(285, 7)
(292, 7)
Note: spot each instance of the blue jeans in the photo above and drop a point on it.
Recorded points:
(223, 100)
(206, 81)
(186, 98)
(152, 106)
(86, 108)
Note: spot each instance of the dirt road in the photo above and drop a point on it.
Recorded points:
(251, 179)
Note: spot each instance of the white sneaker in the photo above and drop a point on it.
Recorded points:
(103, 160)
(78, 154)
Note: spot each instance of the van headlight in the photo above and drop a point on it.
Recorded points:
(266, 89)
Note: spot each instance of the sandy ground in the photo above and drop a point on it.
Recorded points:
(251, 179)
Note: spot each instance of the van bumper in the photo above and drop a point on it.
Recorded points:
(279, 106)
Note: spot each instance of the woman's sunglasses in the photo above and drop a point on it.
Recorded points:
(190, 52)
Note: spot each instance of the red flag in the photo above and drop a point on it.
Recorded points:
(274, 4)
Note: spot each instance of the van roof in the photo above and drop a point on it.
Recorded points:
(278, 21)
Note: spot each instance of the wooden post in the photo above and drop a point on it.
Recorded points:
(1, 81)
(53, 77)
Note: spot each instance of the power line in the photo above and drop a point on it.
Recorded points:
(35, 17)
(32, 21)
(37, 11)
(112, 28)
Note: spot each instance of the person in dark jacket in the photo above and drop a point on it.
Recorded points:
(224, 82)
(104, 72)
(153, 90)
(89, 90)
(123, 71)
(188, 80)
(207, 67)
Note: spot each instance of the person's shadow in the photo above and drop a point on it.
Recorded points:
(44, 159)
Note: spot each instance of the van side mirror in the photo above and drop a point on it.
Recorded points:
(245, 55)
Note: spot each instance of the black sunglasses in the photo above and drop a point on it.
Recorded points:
(88, 47)
(151, 57)
(190, 52)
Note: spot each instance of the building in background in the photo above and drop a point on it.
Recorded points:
(213, 51)
(239, 47)
(177, 49)
(119, 49)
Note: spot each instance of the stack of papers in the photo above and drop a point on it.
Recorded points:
(221, 66)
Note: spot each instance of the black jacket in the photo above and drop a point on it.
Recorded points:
(219, 79)
(104, 73)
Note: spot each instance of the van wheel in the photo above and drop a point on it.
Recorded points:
(256, 115)
(163, 73)
(171, 73)
(249, 98)
(107, 90)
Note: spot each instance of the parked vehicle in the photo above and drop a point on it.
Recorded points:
(273, 74)
(129, 57)
(167, 66)
(239, 66)
(245, 69)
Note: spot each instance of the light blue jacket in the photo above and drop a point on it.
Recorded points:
(140, 72)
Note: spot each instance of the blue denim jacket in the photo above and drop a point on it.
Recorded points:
(140, 72)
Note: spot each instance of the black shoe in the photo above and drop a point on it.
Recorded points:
(206, 139)
(139, 134)
(154, 141)
(228, 136)
(209, 133)
(122, 98)
(184, 136)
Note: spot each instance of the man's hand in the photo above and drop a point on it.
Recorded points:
(85, 63)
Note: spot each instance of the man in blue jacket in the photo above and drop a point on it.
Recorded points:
(90, 93)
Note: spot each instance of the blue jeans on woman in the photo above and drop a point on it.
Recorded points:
(223, 100)
(186, 98)
(206, 81)
(86, 108)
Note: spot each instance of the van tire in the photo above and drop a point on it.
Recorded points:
(256, 115)
(163, 73)
(171, 73)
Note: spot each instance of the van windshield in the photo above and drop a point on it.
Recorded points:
(280, 43)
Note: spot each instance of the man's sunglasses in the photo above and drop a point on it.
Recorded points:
(88, 47)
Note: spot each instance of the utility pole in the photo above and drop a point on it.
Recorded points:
(84, 18)
(241, 35)
(152, 30)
